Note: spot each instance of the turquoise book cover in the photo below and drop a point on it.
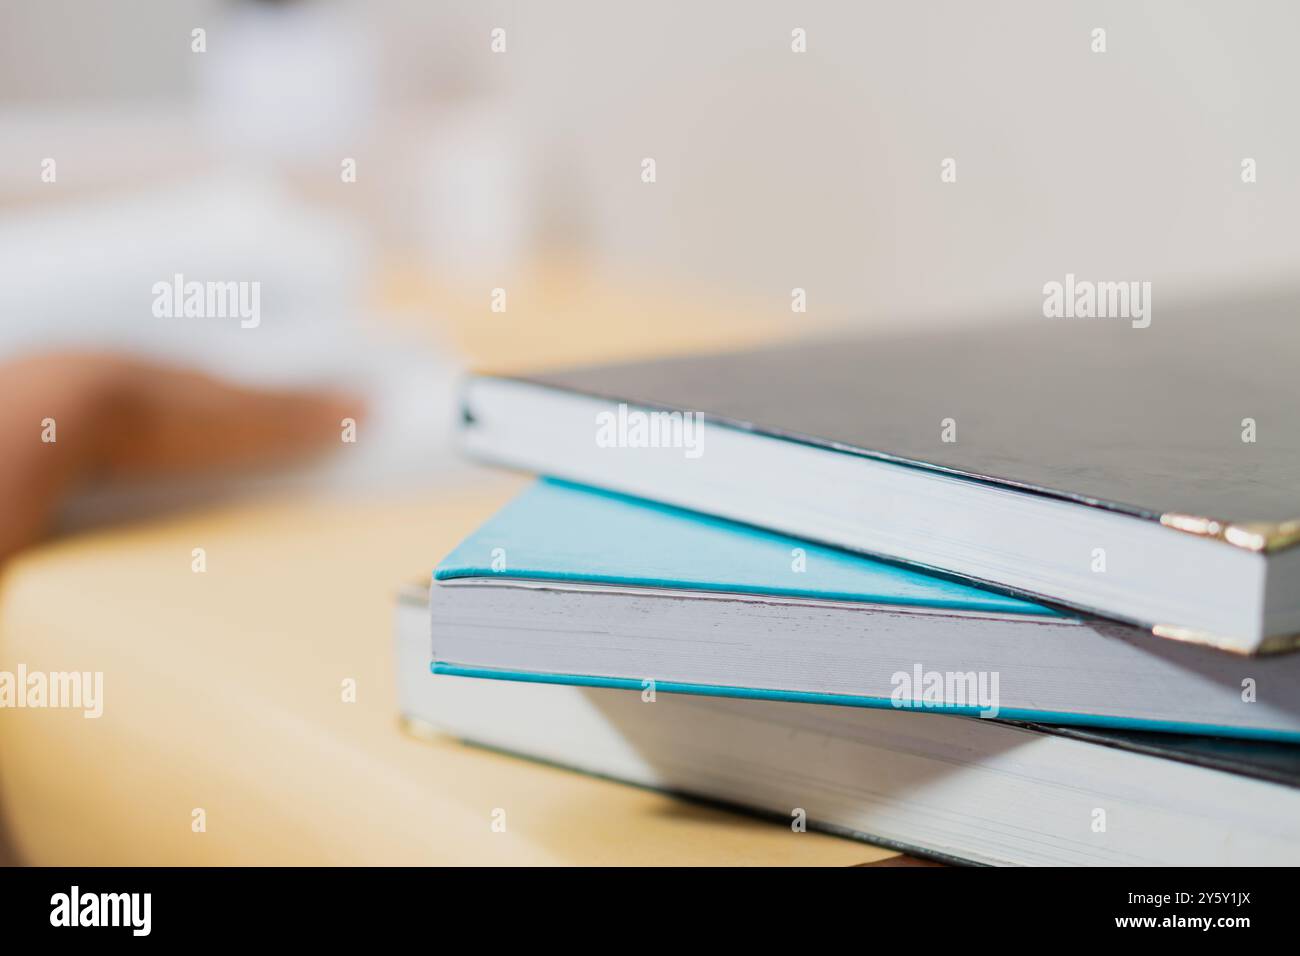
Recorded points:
(556, 531)
(562, 532)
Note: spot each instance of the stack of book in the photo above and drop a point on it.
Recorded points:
(1018, 597)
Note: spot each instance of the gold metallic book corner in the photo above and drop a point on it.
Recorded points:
(1264, 536)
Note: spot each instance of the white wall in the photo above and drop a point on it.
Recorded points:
(821, 170)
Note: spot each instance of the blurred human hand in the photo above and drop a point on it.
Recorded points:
(112, 417)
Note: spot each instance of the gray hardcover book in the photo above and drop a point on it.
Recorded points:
(1148, 474)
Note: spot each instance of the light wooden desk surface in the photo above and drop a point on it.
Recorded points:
(222, 691)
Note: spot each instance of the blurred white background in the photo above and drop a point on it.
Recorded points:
(775, 169)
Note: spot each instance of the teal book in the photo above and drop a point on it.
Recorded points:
(571, 585)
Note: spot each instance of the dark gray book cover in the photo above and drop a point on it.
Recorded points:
(1037, 444)
(1146, 421)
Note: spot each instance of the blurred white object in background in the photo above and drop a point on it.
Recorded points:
(474, 207)
(291, 81)
(81, 273)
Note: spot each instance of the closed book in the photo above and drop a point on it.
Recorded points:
(955, 788)
(1151, 475)
(577, 586)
